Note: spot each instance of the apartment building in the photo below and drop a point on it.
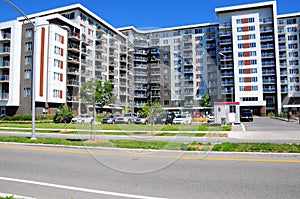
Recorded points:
(249, 56)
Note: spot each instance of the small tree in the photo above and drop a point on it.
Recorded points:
(205, 102)
(152, 110)
(63, 113)
(95, 94)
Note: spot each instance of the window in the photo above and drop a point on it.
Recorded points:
(251, 28)
(242, 88)
(238, 21)
(56, 76)
(254, 88)
(27, 74)
(252, 45)
(292, 37)
(166, 102)
(56, 93)
(58, 37)
(252, 36)
(28, 59)
(166, 70)
(166, 56)
(249, 99)
(251, 20)
(28, 46)
(29, 32)
(293, 46)
(292, 29)
(291, 21)
(166, 63)
(27, 92)
(57, 50)
(165, 41)
(56, 63)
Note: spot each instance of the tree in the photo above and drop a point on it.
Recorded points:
(152, 110)
(93, 93)
(63, 113)
(205, 102)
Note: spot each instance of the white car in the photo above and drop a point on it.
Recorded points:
(82, 119)
(182, 119)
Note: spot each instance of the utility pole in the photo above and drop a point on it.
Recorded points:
(33, 136)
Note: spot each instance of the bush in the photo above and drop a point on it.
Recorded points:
(28, 117)
(271, 114)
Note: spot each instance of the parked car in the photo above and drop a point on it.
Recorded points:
(246, 115)
(82, 119)
(165, 119)
(141, 119)
(182, 119)
(111, 119)
(210, 118)
(67, 119)
(127, 118)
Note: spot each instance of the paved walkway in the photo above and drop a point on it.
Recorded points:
(274, 129)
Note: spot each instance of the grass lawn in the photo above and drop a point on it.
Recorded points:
(118, 127)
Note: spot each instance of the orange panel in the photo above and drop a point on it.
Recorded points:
(246, 37)
(62, 52)
(245, 20)
(247, 62)
(248, 79)
(248, 88)
(247, 70)
(60, 94)
(246, 45)
(62, 39)
(61, 63)
(247, 54)
(61, 77)
(246, 28)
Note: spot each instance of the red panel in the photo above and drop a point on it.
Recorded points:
(42, 58)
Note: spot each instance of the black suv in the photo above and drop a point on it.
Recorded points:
(246, 115)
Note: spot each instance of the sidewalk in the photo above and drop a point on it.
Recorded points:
(239, 132)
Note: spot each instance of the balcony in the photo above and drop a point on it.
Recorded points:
(74, 36)
(225, 33)
(4, 64)
(4, 78)
(5, 50)
(72, 98)
(72, 82)
(4, 96)
(225, 41)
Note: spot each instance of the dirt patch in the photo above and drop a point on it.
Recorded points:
(153, 133)
(96, 141)
(216, 135)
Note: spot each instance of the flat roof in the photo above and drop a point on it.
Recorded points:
(244, 7)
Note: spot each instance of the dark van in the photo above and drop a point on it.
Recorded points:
(247, 115)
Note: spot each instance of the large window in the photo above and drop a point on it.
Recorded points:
(28, 59)
(27, 92)
(28, 46)
(27, 74)
(29, 32)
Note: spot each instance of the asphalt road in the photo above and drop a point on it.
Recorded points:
(60, 172)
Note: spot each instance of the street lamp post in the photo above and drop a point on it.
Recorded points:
(33, 136)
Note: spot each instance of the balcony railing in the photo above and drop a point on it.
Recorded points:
(4, 96)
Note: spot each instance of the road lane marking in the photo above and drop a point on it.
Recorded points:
(124, 195)
(243, 127)
(182, 157)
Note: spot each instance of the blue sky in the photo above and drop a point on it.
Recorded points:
(143, 14)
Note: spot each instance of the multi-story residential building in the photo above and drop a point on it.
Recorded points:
(250, 56)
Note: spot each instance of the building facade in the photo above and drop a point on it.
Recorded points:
(250, 56)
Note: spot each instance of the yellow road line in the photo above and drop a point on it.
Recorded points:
(182, 157)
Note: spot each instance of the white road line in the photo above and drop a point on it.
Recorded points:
(78, 188)
(244, 129)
